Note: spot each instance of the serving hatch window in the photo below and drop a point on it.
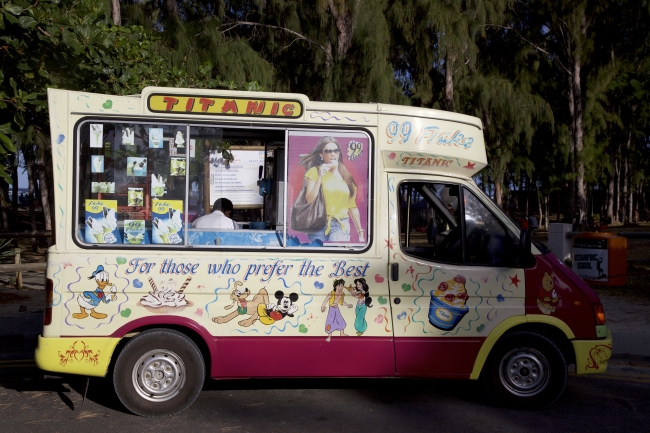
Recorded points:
(177, 185)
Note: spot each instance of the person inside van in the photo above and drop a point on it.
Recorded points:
(219, 218)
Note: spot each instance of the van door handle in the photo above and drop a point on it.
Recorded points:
(394, 272)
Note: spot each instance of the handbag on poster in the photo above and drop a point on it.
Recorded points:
(308, 217)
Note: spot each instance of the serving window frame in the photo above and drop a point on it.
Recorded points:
(187, 124)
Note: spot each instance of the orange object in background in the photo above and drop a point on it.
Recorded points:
(600, 258)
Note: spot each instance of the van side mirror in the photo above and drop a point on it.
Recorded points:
(525, 257)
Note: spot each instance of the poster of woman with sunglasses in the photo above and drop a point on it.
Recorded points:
(328, 187)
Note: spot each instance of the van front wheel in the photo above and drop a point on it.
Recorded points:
(525, 370)
(159, 373)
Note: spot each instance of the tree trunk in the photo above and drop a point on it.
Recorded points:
(630, 193)
(572, 151)
(117, 15)
(345, 20)
(29, 163)
(4, 205)
(546, 212)
(579, 141)
(171, 7)
(497, 192)
(516, 194)
(44, 183)
(610, 191)
(644, 198)
(14, 182)
(527, 192)
(449, 82)
(625, 176)
(539, 208)
(617, 186)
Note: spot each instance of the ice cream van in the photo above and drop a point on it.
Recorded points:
(337, 240)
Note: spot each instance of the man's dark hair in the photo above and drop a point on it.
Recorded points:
(222, 204)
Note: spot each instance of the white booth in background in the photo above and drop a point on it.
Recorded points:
(558, 242)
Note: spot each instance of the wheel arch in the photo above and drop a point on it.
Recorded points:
(551, 327)
(192, 330)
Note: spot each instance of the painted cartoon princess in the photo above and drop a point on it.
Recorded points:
(90, 300)
(361, 292)
(335, 321)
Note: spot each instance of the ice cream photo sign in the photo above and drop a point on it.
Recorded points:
(167, 221)
(101, 222)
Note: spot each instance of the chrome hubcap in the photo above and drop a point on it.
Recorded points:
(159, 375)
(525, 372)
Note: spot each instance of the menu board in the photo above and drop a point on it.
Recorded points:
(238, 181)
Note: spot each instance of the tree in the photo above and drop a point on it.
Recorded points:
(438, 41)
(72, 44)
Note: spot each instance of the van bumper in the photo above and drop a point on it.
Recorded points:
(88, 356)
(592, 355)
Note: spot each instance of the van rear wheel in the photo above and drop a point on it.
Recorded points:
(525, 370)
(159, 373)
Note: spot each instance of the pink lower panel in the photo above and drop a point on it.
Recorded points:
(302, 357)
(436, 357)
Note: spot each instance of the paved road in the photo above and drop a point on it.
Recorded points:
(614, 402)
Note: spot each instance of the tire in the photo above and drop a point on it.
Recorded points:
(525, 370)
(159, 373)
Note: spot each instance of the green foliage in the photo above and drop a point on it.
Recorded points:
(509, 63)
(72, 44)
(7, 250)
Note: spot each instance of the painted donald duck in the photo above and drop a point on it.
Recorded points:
(89, 300)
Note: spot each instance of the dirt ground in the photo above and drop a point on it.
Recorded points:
(21, 301)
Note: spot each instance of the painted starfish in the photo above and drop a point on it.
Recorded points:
(410, 270)
(515, 280)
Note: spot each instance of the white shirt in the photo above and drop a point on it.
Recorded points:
(215, 220)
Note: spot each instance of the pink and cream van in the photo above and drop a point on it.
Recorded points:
(339, 240)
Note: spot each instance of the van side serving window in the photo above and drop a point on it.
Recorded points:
(445, 222)
(178, 185)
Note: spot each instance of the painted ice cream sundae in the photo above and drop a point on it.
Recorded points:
(447, 305)
(166, 299)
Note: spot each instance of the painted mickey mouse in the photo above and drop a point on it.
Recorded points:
(271, 313)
